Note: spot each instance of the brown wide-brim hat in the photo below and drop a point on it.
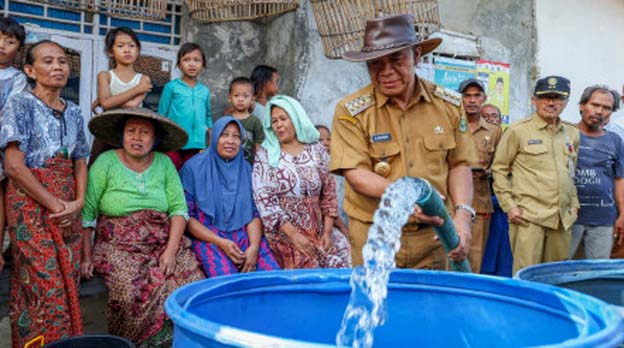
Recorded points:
(108, 127)
(386, 35)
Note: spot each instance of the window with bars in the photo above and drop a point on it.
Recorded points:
(165, 31)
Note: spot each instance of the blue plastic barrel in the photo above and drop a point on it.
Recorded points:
(603, 279)
(92, 341)
(304, 308)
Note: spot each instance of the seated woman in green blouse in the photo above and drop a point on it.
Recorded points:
(135, 195)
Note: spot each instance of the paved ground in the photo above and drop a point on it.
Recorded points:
(92, 302)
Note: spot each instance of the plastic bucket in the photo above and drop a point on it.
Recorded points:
(603, 279)
(92, 341)
(304, 308)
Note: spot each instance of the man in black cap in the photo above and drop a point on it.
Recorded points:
(486, 136)
(400, 125)
(533, 173)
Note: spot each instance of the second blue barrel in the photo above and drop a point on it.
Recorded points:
(304, 309)
(603, 278)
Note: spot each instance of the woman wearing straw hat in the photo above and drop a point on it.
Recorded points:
(294, 192)
(45, 150)
(136, 196)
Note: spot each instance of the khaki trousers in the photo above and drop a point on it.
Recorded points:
(480, 234)
(532, 244)
(418, 247)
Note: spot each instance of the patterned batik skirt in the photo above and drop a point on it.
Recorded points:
(127, 253)
(46, 259)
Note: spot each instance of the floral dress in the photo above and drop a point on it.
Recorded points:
(301, 191)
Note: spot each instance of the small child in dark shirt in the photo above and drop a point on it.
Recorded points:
(241, 97)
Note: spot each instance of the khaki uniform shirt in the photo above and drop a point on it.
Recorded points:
(486, 137)
(425, 141)
(533, 169)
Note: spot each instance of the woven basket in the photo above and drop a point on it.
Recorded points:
(341, 23)
(138, 9)
(212, 11)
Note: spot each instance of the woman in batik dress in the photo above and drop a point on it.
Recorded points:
(295, 193)
(45, 149)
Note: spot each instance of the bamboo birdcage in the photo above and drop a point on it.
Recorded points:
(213, 11)
(138, 9)
(341, 23)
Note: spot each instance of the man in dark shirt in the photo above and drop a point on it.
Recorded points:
(599, 176)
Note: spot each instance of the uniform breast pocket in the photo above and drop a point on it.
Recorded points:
(440, 143)
(486, 146)
(535, 153)
(437, 148)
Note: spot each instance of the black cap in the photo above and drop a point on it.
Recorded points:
(552, 85)
(470, 82)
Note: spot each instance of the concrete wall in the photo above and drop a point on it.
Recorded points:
(291, 43)
(505, 29)
(582, 43)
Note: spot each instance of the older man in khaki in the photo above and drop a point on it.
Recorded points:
(401, 125)
(533, 173)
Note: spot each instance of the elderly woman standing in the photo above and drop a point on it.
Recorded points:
(136, 197)
(45, 149)
(224, 219)
(294, 191)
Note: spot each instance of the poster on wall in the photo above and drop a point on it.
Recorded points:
(495, 78)
(450, 72)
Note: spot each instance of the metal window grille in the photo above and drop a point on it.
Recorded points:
(163, 31)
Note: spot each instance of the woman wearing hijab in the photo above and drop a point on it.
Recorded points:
(294, 191)
(223, 216)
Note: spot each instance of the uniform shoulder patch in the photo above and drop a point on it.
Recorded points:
(447, 95)
(359, 104)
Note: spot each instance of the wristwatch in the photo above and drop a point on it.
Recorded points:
(473, 213)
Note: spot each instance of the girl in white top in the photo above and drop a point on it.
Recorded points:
(122, 86)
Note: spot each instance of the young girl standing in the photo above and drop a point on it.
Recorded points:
(266, 82)
(122, 86)
(186, 101)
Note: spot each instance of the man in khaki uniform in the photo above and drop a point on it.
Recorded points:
(533, 177)
(400, 125)
(486, 136)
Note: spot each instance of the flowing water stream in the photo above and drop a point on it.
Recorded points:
(369, 282)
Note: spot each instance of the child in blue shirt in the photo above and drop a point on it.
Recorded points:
(186, 101)
(12, 81)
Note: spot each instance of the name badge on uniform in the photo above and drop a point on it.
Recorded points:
(381, 137)
(535, 141)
